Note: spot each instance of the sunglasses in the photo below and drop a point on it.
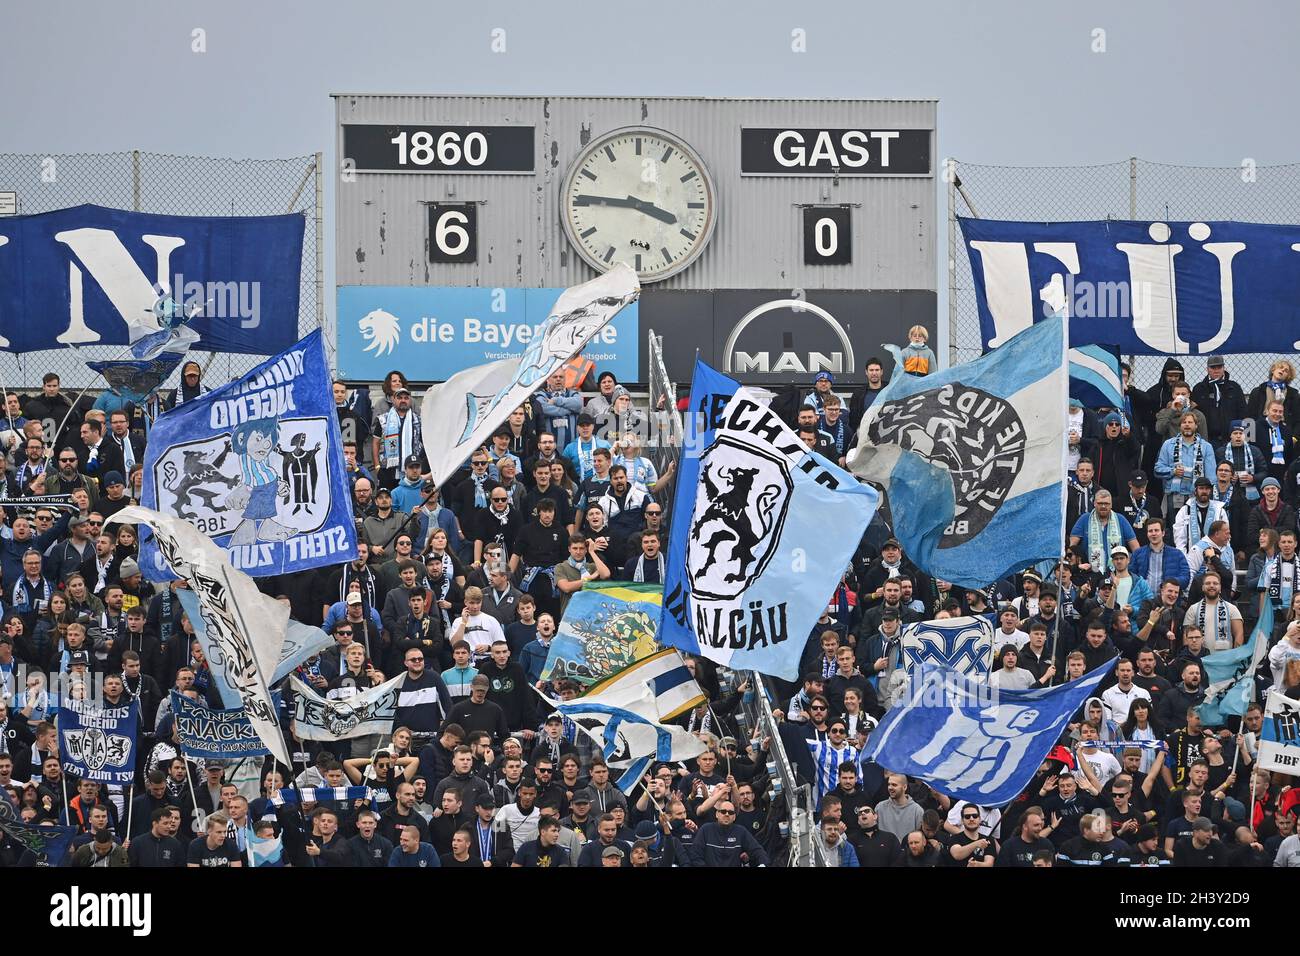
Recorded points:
(838, 730)
(970, 816)
(723, 810)
(654, 512)
(479, 464)
(817, 707)
(495, 498)
(67, 461)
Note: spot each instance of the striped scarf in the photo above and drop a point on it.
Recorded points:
(638, 573)
(1098, 550)
(401, 438)
(298, 796)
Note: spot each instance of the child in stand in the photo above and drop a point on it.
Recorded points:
(917, 357)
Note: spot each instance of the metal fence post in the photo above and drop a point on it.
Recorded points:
(1132, 187)
(951, 174)
(135, 180)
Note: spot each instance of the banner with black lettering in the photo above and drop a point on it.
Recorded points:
(370, 712)
(257, 466)
(98, 743)
(215, 734)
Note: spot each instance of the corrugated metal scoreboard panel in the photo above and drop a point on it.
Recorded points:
(383, 225)
(790, 197)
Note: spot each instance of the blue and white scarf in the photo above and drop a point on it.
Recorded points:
(1098, 550)
(1277, 448)
(532, 573)
(401, 438)
(292, 797)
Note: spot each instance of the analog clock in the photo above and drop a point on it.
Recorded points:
(641, 196)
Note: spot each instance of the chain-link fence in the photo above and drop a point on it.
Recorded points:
(174, 186)
(1134, 190)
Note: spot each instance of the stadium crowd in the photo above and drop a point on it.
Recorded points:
(1181, 521)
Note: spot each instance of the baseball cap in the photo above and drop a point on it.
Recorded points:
(890, 543)
(1214, 361)
(613, 851)
(401, 390)
(555, 717)
(1075, 403)
(585, 419)
(78, 657)
(354, 597)
(412, 461)
(486, 800)
(429, 485)
(383, 493)
(1119, 549)
(113, 478)
(1138, 478)
(889, 614)
(727, 742)
(77, 521)
(1146, 831)
(582, 796)
(1236, 425)
(128, 569)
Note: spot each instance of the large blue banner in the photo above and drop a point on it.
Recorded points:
(1150, 288)
(257, 465)
(98, 743)
(79, 276)
(215, 734)
(972, 741)
(432, 333)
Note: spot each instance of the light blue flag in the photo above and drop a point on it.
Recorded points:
(972, 741)
(265, 851)
(973, 458)
(772, 528)
(1095, 376)
(1231, 674)
(710, 393)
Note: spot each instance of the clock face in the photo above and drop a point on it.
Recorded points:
(639, 196)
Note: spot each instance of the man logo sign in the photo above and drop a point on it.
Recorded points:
(739, 361)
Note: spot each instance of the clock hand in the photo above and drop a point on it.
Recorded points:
(651, 210)
(586, 200)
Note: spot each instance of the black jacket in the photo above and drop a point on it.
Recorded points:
(1220, 402)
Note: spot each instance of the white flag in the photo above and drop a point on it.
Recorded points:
(360, 715)
(244, 623)
(459, 415)
(1279, 738)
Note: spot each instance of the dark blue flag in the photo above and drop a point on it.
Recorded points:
(98, 743)
(257, 465)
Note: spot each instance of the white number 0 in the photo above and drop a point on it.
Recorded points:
(826, 237)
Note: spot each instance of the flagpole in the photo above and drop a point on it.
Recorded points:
(63, 777)
(130, 809)
(194, 799)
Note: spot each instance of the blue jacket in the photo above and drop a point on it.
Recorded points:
(848, 855)
(425, 857)
(557, 413)
(406, 496)
(446, 520)
(1141, 591)
(1187, 456)
(718, 845)
(532, 659)
(1175, 565)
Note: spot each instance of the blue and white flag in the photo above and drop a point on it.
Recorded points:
(1095, 376)
(296, 796)
(98, 743)
(710, 393)
(257, 466)
(88, 275)
(214, 734)
(243, 628)
(369, 712)
(136, 379)
(301, 641)
(1230, 675)
(973, 459)
(461, 414)
(1279, 738)
(772, 527)
(626, 724)
(972, 741)
(675, 688)
(265, 851)
(964, 644)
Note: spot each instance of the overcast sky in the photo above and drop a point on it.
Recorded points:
(1195, 83)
